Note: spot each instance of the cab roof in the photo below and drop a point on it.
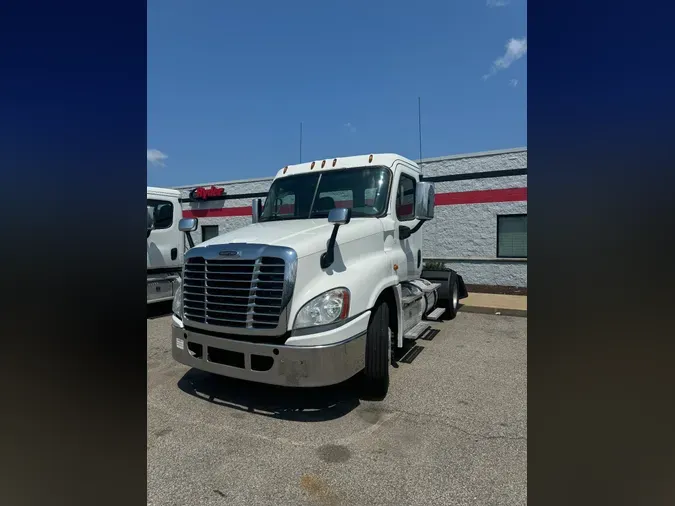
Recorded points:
(163, 192)
(347, 162)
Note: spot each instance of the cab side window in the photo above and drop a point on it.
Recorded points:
(162, 212)
(405, 198)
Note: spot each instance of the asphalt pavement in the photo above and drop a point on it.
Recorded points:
(452, 430)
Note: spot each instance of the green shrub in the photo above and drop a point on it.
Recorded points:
(434, 265)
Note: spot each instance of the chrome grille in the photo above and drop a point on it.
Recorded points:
(234, 292)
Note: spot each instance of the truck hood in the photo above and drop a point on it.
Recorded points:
(306, 237)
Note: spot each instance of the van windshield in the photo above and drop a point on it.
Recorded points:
(312, 195)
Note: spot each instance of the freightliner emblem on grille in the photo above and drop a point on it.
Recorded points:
(229, 253)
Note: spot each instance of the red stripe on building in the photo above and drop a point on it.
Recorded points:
(481, 196)
(442, 199)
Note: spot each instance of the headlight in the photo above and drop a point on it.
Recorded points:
(328, 307)
(177, 305)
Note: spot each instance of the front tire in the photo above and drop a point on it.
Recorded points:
(378, 353)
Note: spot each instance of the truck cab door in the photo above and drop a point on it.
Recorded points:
(409, 266)
(165, 242)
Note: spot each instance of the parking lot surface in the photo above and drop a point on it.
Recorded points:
(452, 430)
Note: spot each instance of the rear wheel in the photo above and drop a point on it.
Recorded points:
(453, 290)
(378, 353)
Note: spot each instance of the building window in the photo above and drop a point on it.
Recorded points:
(512, 236)
(209, 232)
(405, 198)
(161, 212)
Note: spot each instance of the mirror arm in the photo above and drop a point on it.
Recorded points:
(328, 257)
(417, 227)
(189, 238)
(404, 231)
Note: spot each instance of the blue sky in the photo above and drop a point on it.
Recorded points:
(229, 82)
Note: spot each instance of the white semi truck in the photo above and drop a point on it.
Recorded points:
(324, 284)
(166, 244)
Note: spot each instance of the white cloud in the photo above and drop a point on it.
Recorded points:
(156, 157)
(515, 50)
(498, 3)
(350, 127)
(513, 82)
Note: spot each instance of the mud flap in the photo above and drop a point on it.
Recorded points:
(462, 291)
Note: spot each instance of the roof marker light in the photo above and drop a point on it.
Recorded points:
(312, 166)
(285, 169)
(334, 161)
(370, 158)
(323, 164)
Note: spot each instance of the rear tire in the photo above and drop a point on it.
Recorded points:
(378, 353)
(453, 291)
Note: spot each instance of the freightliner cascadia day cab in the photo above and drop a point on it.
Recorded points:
(323, 285)
(166, 245)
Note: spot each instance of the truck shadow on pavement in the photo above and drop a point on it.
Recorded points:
(285, 403)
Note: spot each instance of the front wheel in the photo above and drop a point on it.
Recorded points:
(378, 353)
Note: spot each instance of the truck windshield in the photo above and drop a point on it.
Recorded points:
(313, 195)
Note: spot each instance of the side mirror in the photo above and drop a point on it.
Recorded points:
(339, 216)
(188, 224)
(336, 216)
(256, 209)
(424, 201)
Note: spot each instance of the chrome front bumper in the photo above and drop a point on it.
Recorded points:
(296, 366)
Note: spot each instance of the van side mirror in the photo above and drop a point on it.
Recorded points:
(188, 224)
(256, 210)
(425, 196)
